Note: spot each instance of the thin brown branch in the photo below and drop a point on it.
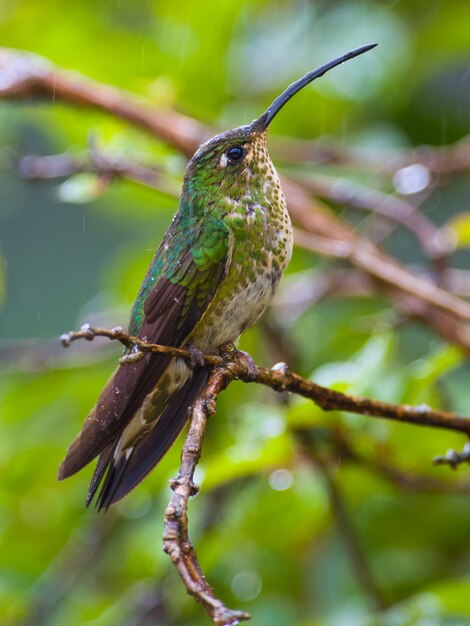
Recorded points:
(24, 75)
(331, 400)
(107, 166)
(439, 160)
(325, 234)
(281, 379)
(457, 281)
(349, 536)
(435, 243)
(308, 288)
(176, 540)
(294, 298)
(453, 458)
(448, 327)
(135, 345)
(387, 271)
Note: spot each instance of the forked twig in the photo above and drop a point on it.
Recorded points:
(453, 458)
(176, 542)
(226, 368)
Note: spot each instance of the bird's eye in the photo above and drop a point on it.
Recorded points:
(235, 153)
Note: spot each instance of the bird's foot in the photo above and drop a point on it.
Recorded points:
(196, 357)
(250, 366)
(453, 458)
(231, 354)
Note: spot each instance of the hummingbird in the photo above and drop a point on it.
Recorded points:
(211, 278)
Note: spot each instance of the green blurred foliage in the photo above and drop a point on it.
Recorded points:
(71, 252)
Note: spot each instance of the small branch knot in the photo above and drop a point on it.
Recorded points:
(281, 367)
(65, 340)
(227, 617)
(172, 512)
(87, 332)
(453, 458)
(185, 482)
(133, 356)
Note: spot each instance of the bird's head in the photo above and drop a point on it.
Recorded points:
(236, 163)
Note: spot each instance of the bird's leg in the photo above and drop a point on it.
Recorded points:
(196, 357)
(231, 353)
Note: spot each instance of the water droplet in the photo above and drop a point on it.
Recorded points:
(411, 179)
(246, 585)
(281, 480)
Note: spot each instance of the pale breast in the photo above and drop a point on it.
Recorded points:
(237, 313)
(248, 288)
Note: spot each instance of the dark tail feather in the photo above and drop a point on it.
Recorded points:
(100, 469)
(112, 481)
(123, 476)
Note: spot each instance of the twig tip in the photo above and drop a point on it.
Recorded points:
(65, 340)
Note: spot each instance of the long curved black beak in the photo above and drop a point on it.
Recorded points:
(262, 122)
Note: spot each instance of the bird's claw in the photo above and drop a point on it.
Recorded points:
(231, 353)
(227, 351)
(247, 361)
(196, 357)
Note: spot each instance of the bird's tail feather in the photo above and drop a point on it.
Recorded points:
(100, 469)
(121, 475)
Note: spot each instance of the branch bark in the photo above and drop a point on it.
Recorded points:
(280, 379)
(176, 542)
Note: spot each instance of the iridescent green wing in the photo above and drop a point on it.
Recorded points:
(179, 286)
(182, 281)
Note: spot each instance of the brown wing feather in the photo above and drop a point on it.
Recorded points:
(124, 473)
(171, 313)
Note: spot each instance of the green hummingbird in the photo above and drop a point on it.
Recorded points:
(211, 278)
